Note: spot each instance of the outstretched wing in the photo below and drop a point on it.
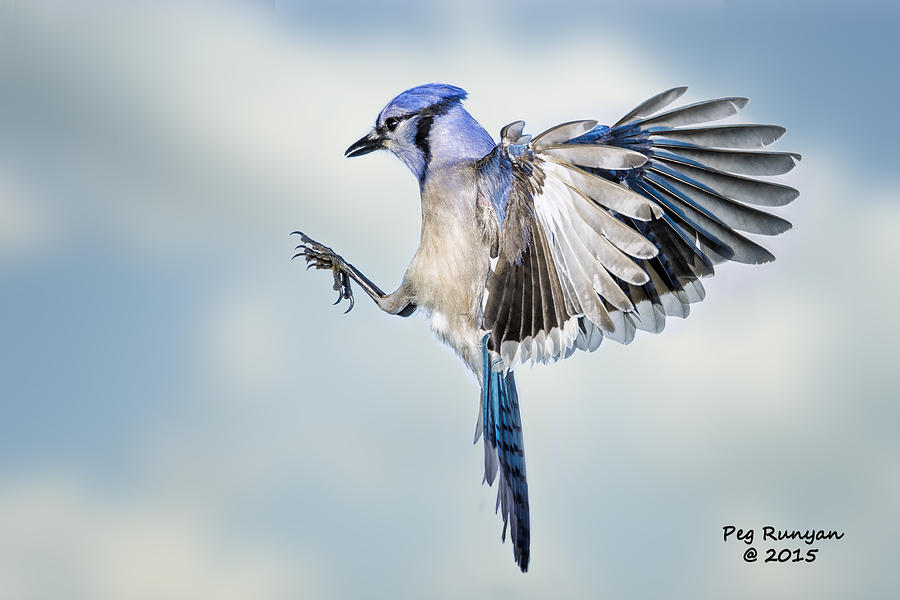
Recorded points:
(600, 231)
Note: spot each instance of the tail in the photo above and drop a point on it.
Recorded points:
(502, 428)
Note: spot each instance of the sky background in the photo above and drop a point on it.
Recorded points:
(184, 415)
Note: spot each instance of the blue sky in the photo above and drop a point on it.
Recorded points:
(185, 415)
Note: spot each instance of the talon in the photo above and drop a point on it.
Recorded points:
(347, 291)
(322, 257)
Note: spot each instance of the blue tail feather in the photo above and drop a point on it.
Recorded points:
(503, 443)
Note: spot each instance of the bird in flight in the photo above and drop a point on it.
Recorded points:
(534, 247)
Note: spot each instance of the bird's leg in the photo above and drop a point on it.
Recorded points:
(322, 257)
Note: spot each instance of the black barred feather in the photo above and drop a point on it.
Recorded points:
(504, 451)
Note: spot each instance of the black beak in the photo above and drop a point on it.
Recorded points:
(368, 143)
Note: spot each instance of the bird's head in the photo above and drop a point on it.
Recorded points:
(404, 125)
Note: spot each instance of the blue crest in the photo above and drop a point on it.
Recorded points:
(421, 97)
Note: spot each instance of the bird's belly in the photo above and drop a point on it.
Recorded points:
(460, 333)
(450, 268)
(449, 280)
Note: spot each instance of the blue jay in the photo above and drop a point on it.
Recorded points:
(532, 248)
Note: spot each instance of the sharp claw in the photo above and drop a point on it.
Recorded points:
(350, 298)
(347, 291)
(323, 257)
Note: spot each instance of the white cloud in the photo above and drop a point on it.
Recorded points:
(245, 342)
(231, 120)
(58, 539)
(25, 227)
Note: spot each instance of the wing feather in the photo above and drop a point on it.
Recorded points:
(699, 112)
(604, 192)
(742, 189)
(727, 136)
(611, 257)
(609, 230)
(734, 214)
(562, 133)
(742, 162)
(652, 105)
(600, 157)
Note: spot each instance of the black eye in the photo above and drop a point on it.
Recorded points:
(391, 123)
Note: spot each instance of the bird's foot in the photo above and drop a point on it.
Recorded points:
(322, 257)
